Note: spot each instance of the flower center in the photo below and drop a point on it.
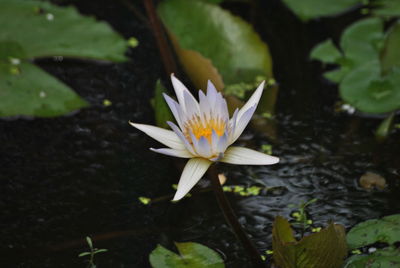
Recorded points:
(205, 128)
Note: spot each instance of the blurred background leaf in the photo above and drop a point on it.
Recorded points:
(326, 248)
(32, 91)
(228, 42)
(385, 230)
(311, 9)
(387, 8)
(191, 255)
(44, 30)
(390, 56)
(382, 258)
(37, 29)
(368, 73)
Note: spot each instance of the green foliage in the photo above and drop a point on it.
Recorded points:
(368, 65)
(31, 91)
(383, 131)
(390, 57)
(382, 258)
(243, 191)
(191, 255)
(63, 32)
(326, 248)
(93, 251)
(36, 29)
(231, 44)
(240, 89)
(300, 215)
(161, 110)
(326, 52)
(366, 90)
(386, 8)
(385, 230)
(310, 9)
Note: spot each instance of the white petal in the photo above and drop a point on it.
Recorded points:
(242, 123)
(173, 152)
(222, 143)
(166, 137)
(204, 106)
(203, 147)
(175, 109)
(211, 93)
(179, 89)
(181, 137)
(254, 99)
(243, 156)
(232, 124)
(191, 105)
(192, 173)
(214, 141)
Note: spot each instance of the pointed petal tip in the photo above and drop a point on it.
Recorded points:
(177, 197)
(135, 125)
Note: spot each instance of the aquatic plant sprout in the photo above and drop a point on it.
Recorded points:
(204, 133)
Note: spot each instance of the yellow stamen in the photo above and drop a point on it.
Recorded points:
(196, 126)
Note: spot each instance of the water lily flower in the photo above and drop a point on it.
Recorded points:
(205, 133)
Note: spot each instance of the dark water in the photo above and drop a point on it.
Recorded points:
(65, 178)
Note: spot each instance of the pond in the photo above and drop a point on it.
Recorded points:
(81, 175)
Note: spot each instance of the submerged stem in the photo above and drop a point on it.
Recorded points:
(231, 218)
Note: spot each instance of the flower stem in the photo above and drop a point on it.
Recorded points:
(159, 34)
(231, 218)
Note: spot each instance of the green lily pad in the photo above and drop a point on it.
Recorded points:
(366, 90)
(326, 52)
(382, 258)
(385, 230)
(311, 9)
(361, 41)
(36, 29)
(391, 50)
(386, 8)
(326, 248)
(34, 92)
(191, 255)
(45, 30)
(235, 50)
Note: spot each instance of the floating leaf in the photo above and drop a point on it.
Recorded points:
(368, 232)
(361, 41)
(68, 34)
(382, 258)
(192, 255)
(35, 92)
(326, 248)
(230, 43)
(161, 110)
(197, 67)
(386, 8)
(311, 9)
(37, 29)
(326, 52)
(366, 90)
(391, 50)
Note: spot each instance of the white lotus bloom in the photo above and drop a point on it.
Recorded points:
(204, 133)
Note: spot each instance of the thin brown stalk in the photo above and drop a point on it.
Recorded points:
(231, 218)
